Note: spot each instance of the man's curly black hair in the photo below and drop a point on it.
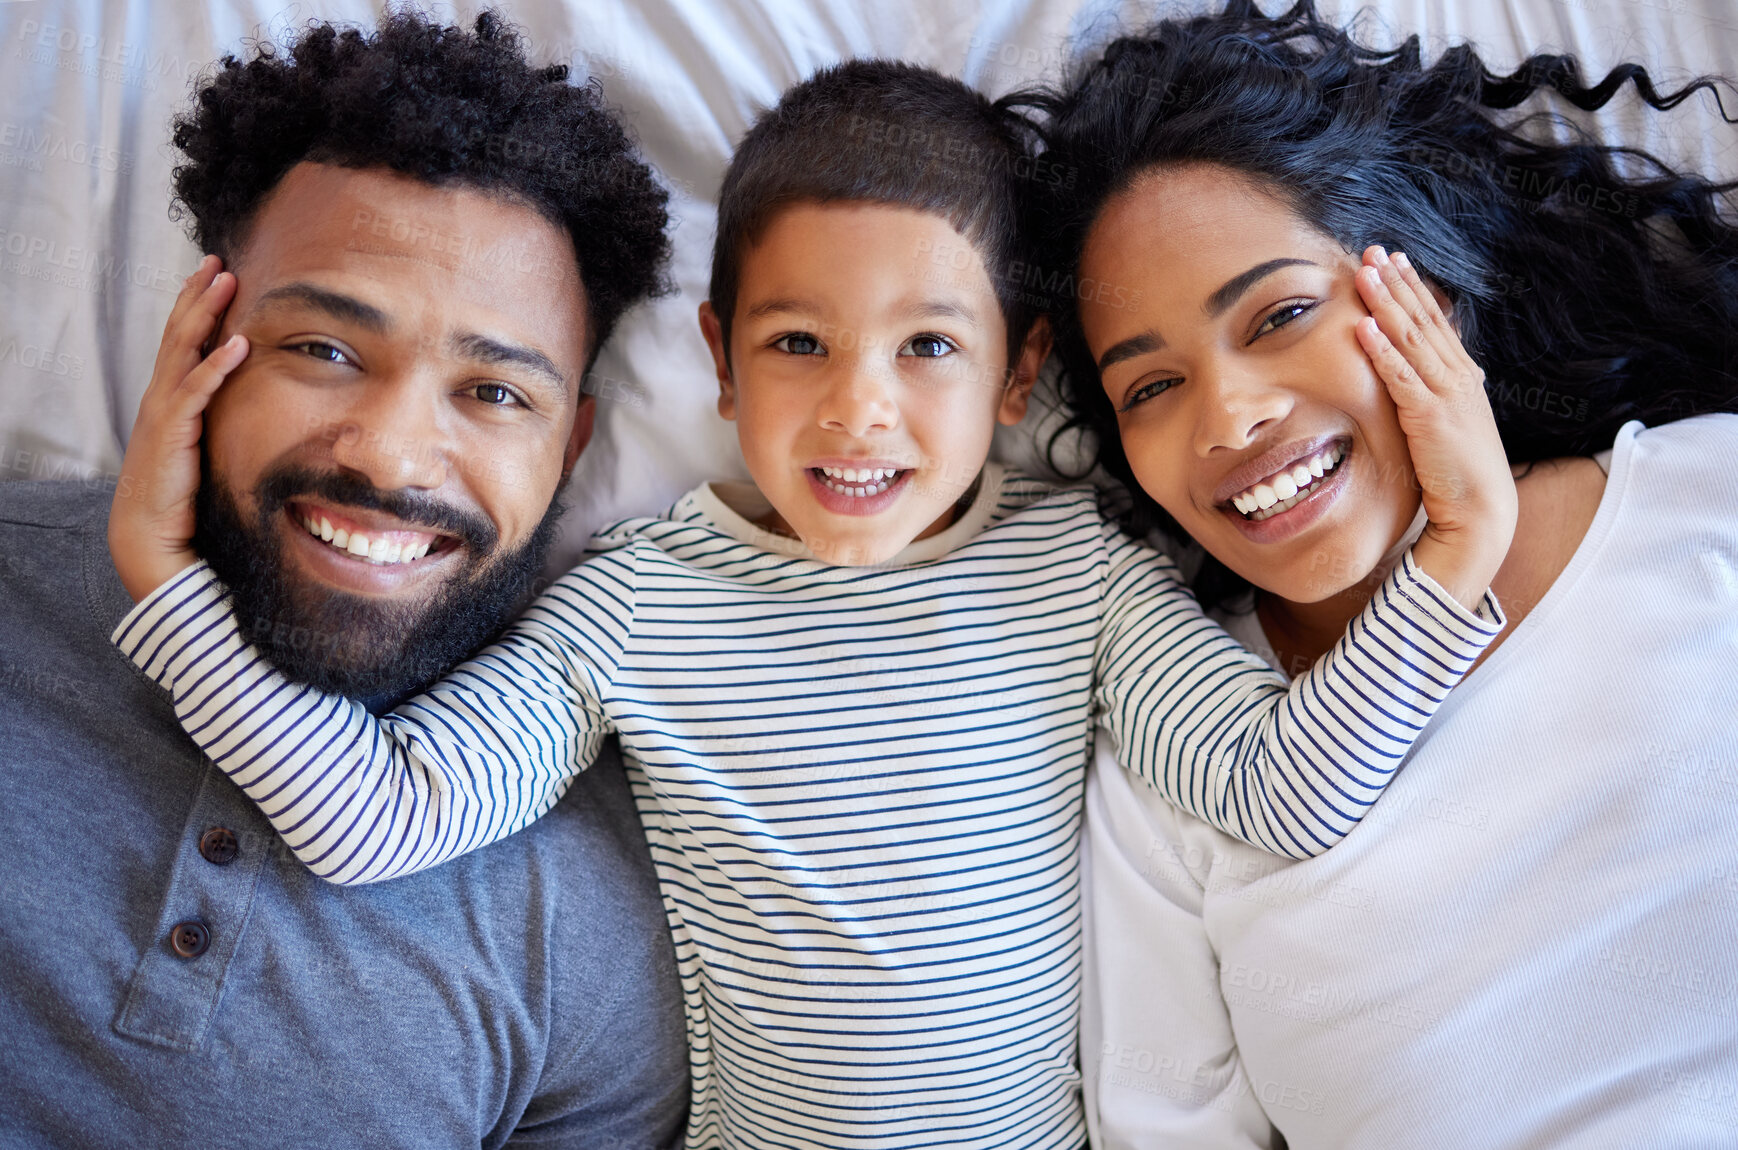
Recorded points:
(443, 105)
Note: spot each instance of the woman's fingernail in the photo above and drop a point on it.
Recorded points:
(1381, 254)
(1402, 261)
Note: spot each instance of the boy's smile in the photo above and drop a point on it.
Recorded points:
(867, 370)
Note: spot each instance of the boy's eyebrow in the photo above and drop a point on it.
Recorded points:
(337, 305)
(485, 349)
(942, 309)
(780, 305)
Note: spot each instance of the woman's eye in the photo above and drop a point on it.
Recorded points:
(1282, 317)
(495, 394)
(798, 343)
(928, 346)
(324, 352)
(1148, 391)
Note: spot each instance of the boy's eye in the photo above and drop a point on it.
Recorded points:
(1149, 390)
(1282, 317)
(928, 346)
(322, 351)
(495, 394)
(798, 343)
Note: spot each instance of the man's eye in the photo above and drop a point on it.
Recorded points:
(495, 394)
(798, 343)
(1148, 391)
(324, 352)
(928, 346)
(1282, 317)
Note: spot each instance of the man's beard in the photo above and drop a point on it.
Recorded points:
(365, 648)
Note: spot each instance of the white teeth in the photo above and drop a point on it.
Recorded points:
(378, 551)
(1288, 488)
(858, 482)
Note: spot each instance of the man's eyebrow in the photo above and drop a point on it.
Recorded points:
(1129, 348)
(1219, 301)
(484, 349)
(335, 304)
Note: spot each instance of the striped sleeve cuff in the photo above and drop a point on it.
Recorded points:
(159, 633)
(1436, 606)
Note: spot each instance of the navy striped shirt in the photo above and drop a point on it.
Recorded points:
(862, 786)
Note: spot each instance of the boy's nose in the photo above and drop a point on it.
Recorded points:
(860, 401)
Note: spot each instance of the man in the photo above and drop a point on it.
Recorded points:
(426, 239)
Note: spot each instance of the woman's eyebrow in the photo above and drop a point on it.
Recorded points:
(1233, 288)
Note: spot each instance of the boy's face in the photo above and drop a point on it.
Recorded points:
(868, 368)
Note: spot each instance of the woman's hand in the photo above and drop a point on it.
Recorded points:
(151, 519)
(1457, 455)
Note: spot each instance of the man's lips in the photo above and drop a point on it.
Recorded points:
(370, 536)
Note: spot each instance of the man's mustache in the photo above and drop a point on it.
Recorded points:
(414, 507)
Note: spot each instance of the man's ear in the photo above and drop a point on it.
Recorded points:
(714, 333)
(584, 420)
(1023, 372)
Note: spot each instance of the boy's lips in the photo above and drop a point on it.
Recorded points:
(857, 486)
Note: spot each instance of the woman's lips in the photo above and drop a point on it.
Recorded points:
(1304, 512)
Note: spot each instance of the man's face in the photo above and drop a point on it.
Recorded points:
(381, 471)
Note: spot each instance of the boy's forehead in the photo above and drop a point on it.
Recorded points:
(874, 253)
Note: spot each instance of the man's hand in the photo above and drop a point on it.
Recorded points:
(1457, 454)
(151, 520)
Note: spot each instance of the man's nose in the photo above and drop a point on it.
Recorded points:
(861, 398)
(390, 434)
(1237, 404)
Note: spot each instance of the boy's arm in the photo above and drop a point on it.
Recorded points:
(1218, 732)
(358, 799)
(1293, 771)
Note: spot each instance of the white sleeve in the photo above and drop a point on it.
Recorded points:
(359, 798)
(1158, 1059)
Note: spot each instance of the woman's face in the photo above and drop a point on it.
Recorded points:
(1247, 407)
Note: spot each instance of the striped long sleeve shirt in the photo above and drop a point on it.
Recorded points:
(862, 786)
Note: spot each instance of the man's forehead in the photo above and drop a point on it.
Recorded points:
(380, 224)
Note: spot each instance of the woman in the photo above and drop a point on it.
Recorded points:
(1529, 940)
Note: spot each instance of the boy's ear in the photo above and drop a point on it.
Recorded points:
(714, 333)
(1023, 372)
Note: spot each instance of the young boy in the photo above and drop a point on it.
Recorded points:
(858, 694)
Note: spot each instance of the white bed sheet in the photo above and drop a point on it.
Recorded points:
(90, 261)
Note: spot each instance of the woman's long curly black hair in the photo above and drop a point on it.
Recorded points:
(1594, 284)
(444, 105)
